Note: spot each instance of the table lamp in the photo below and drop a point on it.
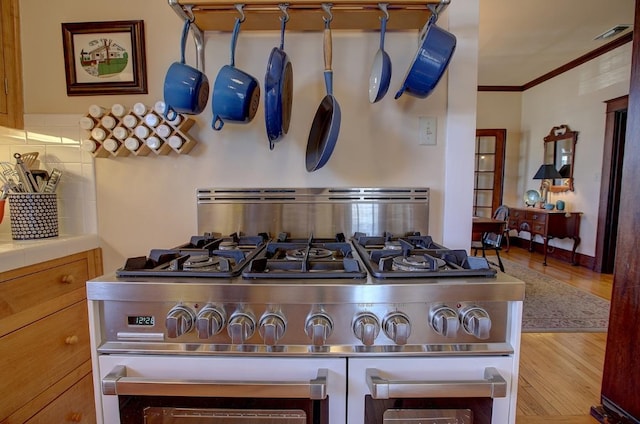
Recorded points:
(545, 173)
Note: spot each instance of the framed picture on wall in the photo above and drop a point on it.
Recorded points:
(104, 58)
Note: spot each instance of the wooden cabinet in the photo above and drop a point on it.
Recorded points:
(45, 357)
(11, 102)
(547, 224)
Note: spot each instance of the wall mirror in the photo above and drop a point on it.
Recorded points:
(559, 150)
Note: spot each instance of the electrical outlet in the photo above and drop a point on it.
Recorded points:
(427, 130)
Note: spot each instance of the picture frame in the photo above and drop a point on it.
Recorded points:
(104, 58)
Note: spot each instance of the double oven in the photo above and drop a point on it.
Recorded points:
(306, 306)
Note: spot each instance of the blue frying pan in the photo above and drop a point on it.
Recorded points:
(326, 122)
(278, 87)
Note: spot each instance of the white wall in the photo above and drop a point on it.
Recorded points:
(575, 98)
(498, 110)
(55, 139)
(150, 202)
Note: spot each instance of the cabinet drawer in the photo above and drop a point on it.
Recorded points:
(516, 214)
(76, 405)
(536, 217)
(29, 290)
(38, 355)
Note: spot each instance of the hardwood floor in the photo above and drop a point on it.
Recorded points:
(560, 373)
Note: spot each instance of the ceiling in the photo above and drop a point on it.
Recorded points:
(521, 40)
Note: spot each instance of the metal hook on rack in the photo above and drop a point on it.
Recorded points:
(188, 11)
(240, 8)
(383, 7)
(327, 9)
(434, 9)
(285, 14)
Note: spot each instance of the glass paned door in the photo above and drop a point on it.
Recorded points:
(489, 171)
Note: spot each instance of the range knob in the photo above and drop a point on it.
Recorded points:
(397, 327)
(318, 328)
(475, 321)
(444, 320)
(179, 321)
(366, 327)
(271, 327)
(211, 320)
(241, 327)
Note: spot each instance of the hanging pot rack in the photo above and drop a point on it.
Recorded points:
(304, 15)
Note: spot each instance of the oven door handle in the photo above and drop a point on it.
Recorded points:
(117, 383)
(493, 386)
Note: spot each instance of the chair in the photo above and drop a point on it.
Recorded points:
(493, 241)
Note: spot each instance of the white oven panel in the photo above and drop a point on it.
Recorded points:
(430, 370)
(167, 368)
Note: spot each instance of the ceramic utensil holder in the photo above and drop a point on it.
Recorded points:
(33, 215)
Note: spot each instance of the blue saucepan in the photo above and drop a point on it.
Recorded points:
(236, 94)
(431, 60)
(278, 87)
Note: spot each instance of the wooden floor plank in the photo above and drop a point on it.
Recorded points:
(560, 373)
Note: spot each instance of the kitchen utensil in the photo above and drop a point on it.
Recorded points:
(381, 67)
(29, 159)
(53, 181)
(278, 87)
(326, 122)
(236, 94)
(186, 89)
(431, 60)
(26, 178)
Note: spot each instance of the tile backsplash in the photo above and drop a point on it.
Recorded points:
(57, 138)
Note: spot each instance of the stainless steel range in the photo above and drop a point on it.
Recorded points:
(307, 306)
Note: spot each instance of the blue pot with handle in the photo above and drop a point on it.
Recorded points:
(186, 89)
(431, 60)
(236, 94)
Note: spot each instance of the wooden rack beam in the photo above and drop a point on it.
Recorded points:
(306, 15)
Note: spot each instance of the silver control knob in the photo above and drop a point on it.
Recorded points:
(179, 321)
(444, 320)
(366, 327)
(211, 320)
(241, 327)
(397, 327)
(272, 326)
(476, 321)
(318, 328)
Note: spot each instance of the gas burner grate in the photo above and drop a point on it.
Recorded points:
(311, 259)
(416, 256)
(203, 256)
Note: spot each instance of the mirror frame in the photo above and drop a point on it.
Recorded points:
(560, 133)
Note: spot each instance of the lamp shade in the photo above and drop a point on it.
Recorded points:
(547, 172)
(565, 171)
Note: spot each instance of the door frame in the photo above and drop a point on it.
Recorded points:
(603, 234)
(498, 178)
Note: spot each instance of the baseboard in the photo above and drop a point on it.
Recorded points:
(555, 252)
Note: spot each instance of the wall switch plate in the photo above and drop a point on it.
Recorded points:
(427, 130)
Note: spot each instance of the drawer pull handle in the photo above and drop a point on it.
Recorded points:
(68, 279)
(75, 417)
(71, 340)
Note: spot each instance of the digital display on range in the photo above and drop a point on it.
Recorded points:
(141, 320)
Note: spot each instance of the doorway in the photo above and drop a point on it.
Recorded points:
(488, 171)
(613, 155)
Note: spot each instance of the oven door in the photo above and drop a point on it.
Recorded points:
(221, 390)
(461, 390)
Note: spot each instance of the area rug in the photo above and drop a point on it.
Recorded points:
(552, 306)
